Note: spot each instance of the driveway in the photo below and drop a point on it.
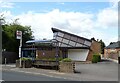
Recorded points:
(102, 71)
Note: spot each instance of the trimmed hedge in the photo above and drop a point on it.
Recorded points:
(66, 60)
(96, 58)
(25, 59)
(50, 59)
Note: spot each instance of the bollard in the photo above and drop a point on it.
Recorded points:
(20, 63)
(5, 61)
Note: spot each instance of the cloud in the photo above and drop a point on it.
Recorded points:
(41, 23)
(83, 24)
(107, 18)
(5, 4)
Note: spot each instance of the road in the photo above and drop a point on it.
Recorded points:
(102, 71)
(19, 76)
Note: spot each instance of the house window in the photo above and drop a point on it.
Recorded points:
(112, 50)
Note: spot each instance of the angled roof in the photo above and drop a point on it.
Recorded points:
(58, 30)
(38, 41)
(114, 45)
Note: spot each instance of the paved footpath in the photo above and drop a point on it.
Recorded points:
(104, 71)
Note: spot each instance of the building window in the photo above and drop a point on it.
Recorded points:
(73, 38)
(65, 41)
(55, 35)
(72, 43)
(59, 39)
(67, 36)
(60, 34)
(80, 41)
(63, 45)
(87, 43)
(78, 45)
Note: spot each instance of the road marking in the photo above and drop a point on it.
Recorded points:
(56, 73)
(1, 80)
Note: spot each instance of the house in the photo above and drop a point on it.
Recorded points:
(112, 50)
(63, 44)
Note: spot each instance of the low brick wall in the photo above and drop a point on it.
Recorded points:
(68, 67)
(24, 64)
(83, 62)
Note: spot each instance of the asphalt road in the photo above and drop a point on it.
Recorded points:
(19, 76)
(102, 71)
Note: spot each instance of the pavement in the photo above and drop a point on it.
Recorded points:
(103, 71)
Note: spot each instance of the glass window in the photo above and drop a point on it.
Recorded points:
(73, 38)
(67, 36)
(59, 39)
(80, 40)
(84, 46)
(87, 43)
(65, 41)
(60, 34)
(72, 43)
(63, 45)
(78, 45)
(55, 35)
(59, 44)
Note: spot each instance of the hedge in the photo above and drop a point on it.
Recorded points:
(96, 58)
(66, 60)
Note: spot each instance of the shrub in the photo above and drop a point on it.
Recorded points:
(96, 58)
(60, 58)
(25, 59)
(52, 59)
(66, 60)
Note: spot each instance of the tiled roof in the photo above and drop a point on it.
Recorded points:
(114, 45)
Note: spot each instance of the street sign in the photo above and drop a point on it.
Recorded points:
(19, 34)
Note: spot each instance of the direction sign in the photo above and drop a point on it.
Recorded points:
(18, 34)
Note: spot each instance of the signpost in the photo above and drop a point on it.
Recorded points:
(19, 36)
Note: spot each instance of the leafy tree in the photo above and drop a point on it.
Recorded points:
(9, 41)
(102, 46)
(111, 43)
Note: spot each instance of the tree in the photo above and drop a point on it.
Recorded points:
(102, 46)
(9, 41)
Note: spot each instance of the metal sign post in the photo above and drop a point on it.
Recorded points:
(19, 36)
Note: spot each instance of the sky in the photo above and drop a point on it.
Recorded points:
(86, 19)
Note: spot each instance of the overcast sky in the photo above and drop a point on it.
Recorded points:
(86, 19)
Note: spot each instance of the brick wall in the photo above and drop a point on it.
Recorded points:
(111, 53)
(41, 54)
(95, 48)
